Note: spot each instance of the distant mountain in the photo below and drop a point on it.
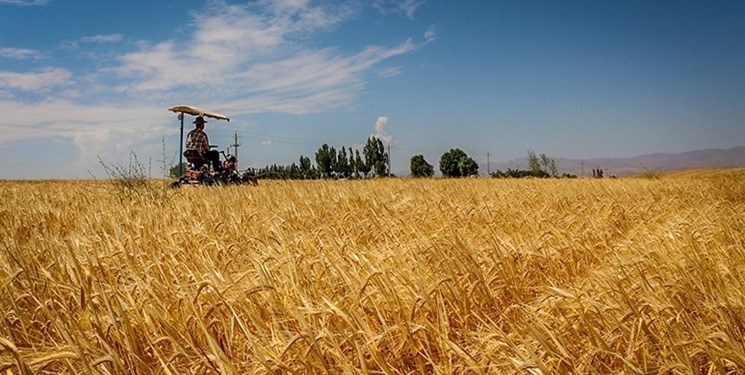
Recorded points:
(708, 158)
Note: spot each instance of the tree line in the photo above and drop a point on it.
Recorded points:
(333, 163)
(453, 163)
(539, 166)
(373, 161)
(348, 163)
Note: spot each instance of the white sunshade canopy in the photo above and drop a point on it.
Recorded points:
(196, 111)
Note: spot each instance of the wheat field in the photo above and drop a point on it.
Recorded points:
(390, 276)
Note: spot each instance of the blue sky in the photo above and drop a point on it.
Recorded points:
(83, 80)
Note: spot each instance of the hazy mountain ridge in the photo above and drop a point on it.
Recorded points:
(658, 162)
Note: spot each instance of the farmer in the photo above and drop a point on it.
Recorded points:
(197, 140)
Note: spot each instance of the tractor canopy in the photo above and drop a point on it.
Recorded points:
(196, 111)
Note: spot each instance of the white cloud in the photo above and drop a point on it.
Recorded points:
(102, 38)
(380, 131)
(267, 142)
(430, 35)
(110, 131)
(93, 144)
(408, 7)
(66, 119)
(256, 59)
(389, 72)
(93, 39)
(24, 2)
(41, 81)
(311, 81)
(20, 53)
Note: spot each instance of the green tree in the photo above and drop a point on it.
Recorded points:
(352, 165)
(381, 167)
(362, 167)
(420, 167)
(534, 163)
(334, 161)
(456, 163)
(449, 162)
(540, 166)
(323, 160)
(342, 163)
(305, 167)
(174, 171)
(375, 156)
(468, 167)
(292, 172)
(548, 166)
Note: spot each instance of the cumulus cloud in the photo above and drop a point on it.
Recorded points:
(380, 131)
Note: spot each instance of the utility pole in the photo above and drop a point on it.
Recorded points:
(488, 166)
(235, 146)
(181, 146)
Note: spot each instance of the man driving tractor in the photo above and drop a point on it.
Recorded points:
(198, 141)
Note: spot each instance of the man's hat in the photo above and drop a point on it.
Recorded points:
(200, 120)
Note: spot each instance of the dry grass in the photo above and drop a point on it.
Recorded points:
(387, 276)
(706, 173)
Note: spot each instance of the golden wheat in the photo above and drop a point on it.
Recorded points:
(383, 276)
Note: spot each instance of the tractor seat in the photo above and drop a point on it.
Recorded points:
(195, 158)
